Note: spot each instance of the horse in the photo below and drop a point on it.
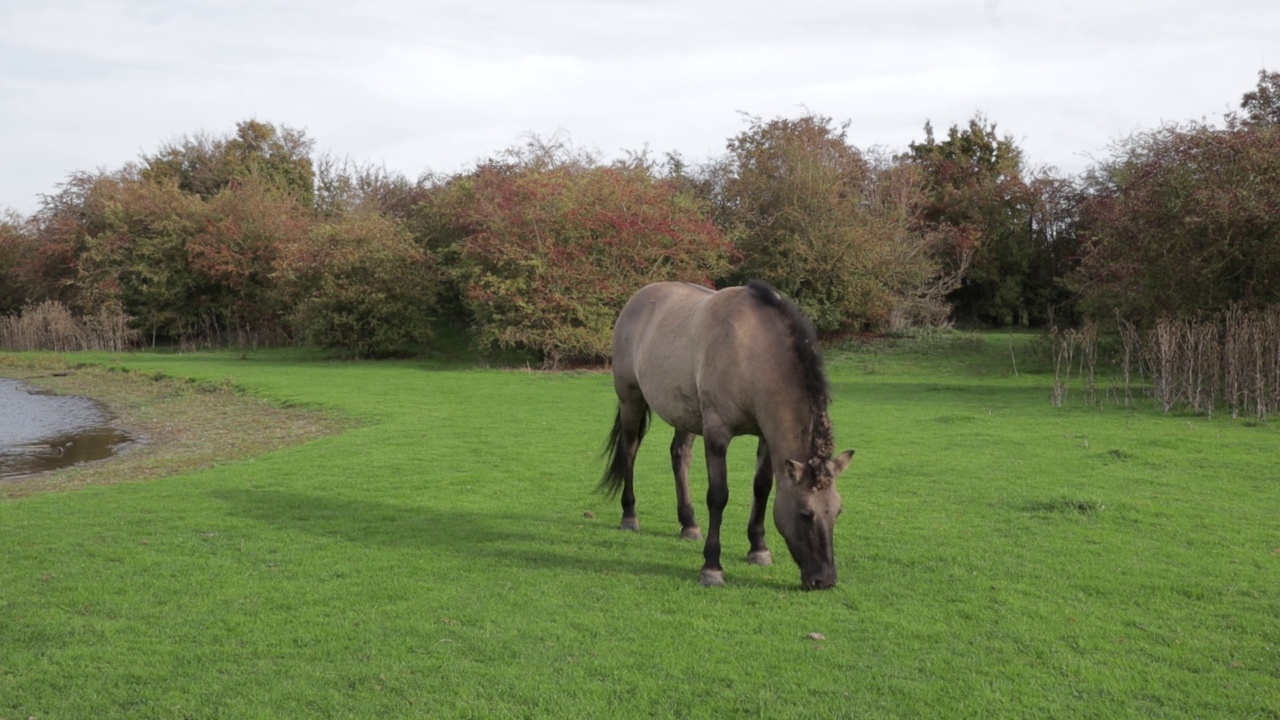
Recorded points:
(720, 364)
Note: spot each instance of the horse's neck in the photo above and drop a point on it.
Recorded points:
(801, 434)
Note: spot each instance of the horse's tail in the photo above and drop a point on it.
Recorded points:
(615, 472)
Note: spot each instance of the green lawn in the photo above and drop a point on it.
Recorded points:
(999, 557)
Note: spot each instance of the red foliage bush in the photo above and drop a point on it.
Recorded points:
(549, 255)
(1182, 222)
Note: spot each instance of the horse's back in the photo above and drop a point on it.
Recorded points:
(654, 313)
(655, 348)
(686, 351)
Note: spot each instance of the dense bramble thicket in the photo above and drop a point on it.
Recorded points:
(1185, 220)
(547, 245)
(248, 238)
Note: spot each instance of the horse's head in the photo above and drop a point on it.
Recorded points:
(805, 512)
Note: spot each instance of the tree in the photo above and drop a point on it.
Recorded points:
(204, 165)
(61, 228)
(135, 254)
(1183, 220)
(18, 269)
(358, 283)
(823, 223)
(1262, 104)
(1054, 204)
(979, 202)
(242, 230)
(548, 244)
(344, 186)
(184, 267)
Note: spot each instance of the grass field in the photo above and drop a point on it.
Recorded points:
(999, 557)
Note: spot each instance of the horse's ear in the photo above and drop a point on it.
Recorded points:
(840, 462)
(795, 471)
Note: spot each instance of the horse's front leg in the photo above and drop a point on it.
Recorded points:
(759, 553)
(717, 498)
(681, 454)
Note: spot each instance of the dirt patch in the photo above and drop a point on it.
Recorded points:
(179, 425)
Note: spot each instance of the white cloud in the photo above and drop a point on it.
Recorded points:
(436, 86)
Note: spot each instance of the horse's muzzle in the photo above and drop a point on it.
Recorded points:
(819, 581)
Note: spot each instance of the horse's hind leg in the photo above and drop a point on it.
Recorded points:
(759, 553)
(681, 454)
(633, 416)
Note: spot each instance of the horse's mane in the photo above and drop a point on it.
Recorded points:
(804, 342)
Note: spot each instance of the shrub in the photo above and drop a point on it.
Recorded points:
(1183, 222)
(242, 231)
(359, 284)
(18, 271)
(551, 249)
(829, 226)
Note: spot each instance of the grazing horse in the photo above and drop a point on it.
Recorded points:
(740, 361)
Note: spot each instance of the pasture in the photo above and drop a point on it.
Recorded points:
(448, 557)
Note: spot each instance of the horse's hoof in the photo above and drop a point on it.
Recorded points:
(691, 533)
(630, 524)
(760, 557)
(711, 578)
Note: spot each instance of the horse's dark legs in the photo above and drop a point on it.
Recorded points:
(759, 553)
(632, 415)
(681, 454)
(717, 498)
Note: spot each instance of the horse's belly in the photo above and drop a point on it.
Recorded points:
(684, 420)
(678, 408)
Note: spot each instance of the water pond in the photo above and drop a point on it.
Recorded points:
(41, 431)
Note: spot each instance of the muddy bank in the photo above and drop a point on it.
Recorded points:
(173, 425)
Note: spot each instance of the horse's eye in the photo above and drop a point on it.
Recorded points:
(806, 515)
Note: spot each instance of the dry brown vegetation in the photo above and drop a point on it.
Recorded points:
(51, 326)
(1228, 360)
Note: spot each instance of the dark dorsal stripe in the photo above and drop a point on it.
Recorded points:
(804, 341)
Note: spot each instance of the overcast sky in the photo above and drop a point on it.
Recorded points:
(436, 86)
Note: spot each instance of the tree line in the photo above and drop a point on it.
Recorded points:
(252, 237)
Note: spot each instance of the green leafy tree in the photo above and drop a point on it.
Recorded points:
(822, 222)
(276, 156)
(979, 201)
(135, 254)
(359, 283)
(1261, 105)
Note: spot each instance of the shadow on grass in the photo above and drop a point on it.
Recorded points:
(506, 539)
(1064, 506)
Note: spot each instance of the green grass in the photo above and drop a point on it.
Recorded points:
(999, 557)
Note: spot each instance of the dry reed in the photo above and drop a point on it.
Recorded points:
(1231, 358)
(51, 326)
